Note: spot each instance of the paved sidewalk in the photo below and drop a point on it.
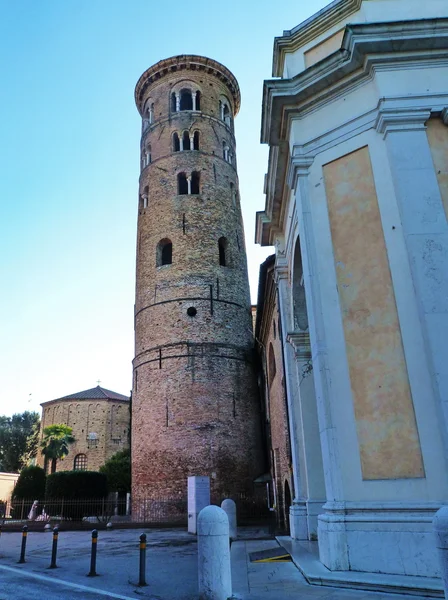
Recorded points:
(283, 581)
(171, 569)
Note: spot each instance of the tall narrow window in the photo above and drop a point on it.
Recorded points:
(147, 155)
(195, 183)
(226, 115)
(182, 184)
(196, 140)
(198, 102)
(176, 143)
(223, 251)
(173, 102)
(144, 198)
(164, 253)
(186, 140)
(186, 101)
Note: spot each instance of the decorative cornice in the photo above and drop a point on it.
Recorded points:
(389, 120)
(281, 270)
(299, 166)
(300, 341)
(182, 63)
(309, 30)
(364, 47)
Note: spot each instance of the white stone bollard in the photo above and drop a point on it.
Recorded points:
(229, 507)
(215, 578)
(440, 524)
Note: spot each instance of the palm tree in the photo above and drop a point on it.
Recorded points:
(55, 443)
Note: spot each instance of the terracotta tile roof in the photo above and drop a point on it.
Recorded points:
(96, 393)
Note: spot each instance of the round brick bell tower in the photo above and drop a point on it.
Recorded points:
(195, 407)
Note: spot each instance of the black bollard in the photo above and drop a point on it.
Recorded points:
(54, 549)
(142, 573)
(93, 572)
(22, 551)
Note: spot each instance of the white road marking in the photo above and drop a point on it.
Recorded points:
(75, 586)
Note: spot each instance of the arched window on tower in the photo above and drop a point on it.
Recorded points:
(195, 180)
(198, 102)
(146, 158)
(271, 364)
(164, 253)
(226, 118)
(176, 143)
(182, 184)
(223, 248)
(186, 101)
(173, 103)
(224, 112)
(196, 140)
(186, 141)
(80, 462)
(144, 198)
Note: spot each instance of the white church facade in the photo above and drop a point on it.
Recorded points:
(356, 205)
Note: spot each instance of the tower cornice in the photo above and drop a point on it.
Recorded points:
(189, 62)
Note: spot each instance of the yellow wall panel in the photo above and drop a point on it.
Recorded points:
(438, 142)
(324, 49)
(384, 411)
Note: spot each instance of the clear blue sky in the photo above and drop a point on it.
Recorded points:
(69, 166)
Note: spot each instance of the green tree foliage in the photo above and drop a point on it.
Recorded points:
(15, 444)
(75, 485)
(118, 472)
(56, 443)
(32, 445)
(76, 494)
(30, 485)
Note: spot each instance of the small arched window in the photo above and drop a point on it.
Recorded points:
(182, 184)
(185, 140)
(176, 143)
(164, 254)
(80, 462)
(196, 140)
(223, 252)
(195, 179)
(198, 100)
(186, 101)
(224, 112)
(144, 198)
(226, 119)
(271, 364)
(173, 102)
(151, 113)
(146, 158)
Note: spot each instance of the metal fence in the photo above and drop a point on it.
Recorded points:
(251, 510)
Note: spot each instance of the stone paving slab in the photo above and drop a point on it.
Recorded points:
(171, 570)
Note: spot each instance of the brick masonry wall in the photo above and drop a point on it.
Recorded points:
(109, 419)
(195, 399)
(268, 331)
(278, 417)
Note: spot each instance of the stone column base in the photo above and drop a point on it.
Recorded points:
(393, 537)
(298, 523)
